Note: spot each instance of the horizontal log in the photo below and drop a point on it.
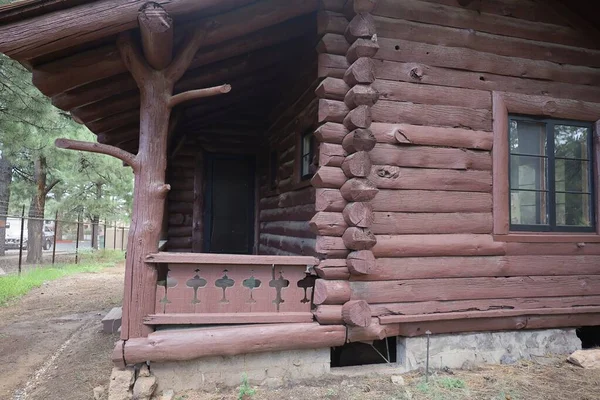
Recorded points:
(359, 140)
(333, 5)
(356, 313)
(434, 95)
(329, 314)
(332, 111)
(295, 213)
(362, 48)
(298, 197)
(361, 95)
(333, 269)
(358, 118)
(361, 26)
(375, 331)
(431, 136)
(391, 177)
(229, 318)
(329, 200)
(427, 201)
(359, 190)
(296, 245)
(440, 78)
(489, 25)
(434, 307)
(430, 157)
(359, 214)
(190, 344)
(474, 288)
(357, 165)
(329, 177)
(556, 108)
(272, 251)
(361, 71)
(287, 228)
(389, 223)
(328, 224)
(482, 61)
(331, 22)
(331, 246)
(558, 249)
(436, 115)
(331, 133)
(331, 292)
(180, 242)
(331, 155)
(176, 219)
(227, 259)
(470, 267)
(330, 65)
(437, 245)
(361, 262)
(332, 88)
(333, 44)
(179, 231)
(359, 238)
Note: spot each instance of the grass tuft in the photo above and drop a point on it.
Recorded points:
(14, 286)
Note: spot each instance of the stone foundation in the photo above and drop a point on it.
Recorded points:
(273, 369)
(467, 350)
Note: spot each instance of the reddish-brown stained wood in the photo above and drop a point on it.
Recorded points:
(421, 114)
(552, 107)
(391, 177)
(596, 144)
(332, 5)
(332, 110)
(190, 344)
(331, 292)
(333, 44)
(331, 22)
(356, 313)
(500, 187)
(362, 48)
(358, 190)
(361, 95)
(359, 214)
(295, 213)
(297, 197)
(364, 6)
(357, 165)
(437, 245)
(361, 26)
(558, 249)
(359, 238)
(548, 238)
(299, 229)
(361, 262)
(331, 133)
(437, 14)
(434, 307)
(360, 117)
(434, 95)
(329, 177)
(475, 288)
(388, 223)
(228, 318)
(331, 246)
(329, 200)
(374, 331)
(293, 245)
(333, 269)
(430, 157)
(329, 314)
(330, 65)
(328, 224)
(332, 88)
(361, 71)
(359, 140)
(331, 155)
(224, 259)
(156, 31)
(465, 267)
(424, 201)
(431, 136)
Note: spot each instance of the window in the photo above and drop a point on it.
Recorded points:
(307, 149)
(550, 175)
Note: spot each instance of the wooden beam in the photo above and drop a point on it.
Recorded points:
(437, 245)
(198, 94)
(122, 155)
(225, 259)
(156, 31)
(229, 318)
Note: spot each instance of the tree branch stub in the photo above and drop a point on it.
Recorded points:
(198, 94)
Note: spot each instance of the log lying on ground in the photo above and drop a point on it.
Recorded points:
(190, 344)
(331, 292)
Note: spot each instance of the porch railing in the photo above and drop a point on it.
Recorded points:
(201, 288)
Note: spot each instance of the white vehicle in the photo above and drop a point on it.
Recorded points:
(13, 235)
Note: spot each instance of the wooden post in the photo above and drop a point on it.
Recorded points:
(155, 71)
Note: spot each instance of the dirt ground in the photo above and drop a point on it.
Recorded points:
(51, 340)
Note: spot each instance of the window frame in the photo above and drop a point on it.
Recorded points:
(550, 157)
(505, 103)
(306, 175)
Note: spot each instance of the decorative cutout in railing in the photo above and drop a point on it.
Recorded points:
(192, 288)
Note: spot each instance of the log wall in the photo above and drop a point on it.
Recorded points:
(427, 200)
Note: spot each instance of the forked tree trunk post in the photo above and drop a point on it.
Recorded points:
(156, 71)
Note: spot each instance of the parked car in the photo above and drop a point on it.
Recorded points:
(13, 235)
(48, 238)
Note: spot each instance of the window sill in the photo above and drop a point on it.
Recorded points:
(548, 238)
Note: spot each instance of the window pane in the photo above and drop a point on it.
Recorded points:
(527, 137)
(572, 176)
(528, 208)
(573, 209)
(571, 141)
(528, 172)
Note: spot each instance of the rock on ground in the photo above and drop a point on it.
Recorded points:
(144, 387)
(120, 384)
(588, 359)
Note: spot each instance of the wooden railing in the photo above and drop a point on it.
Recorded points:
(200, 288)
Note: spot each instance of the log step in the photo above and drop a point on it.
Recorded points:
(111, 323)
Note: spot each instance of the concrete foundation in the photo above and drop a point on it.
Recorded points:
(468, 350)
(272, 369)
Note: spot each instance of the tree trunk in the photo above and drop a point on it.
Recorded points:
(96, 219)
(35, 225)
(5, 181)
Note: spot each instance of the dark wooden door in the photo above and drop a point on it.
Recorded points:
(230, 198)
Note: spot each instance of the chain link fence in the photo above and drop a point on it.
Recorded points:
(28, 241)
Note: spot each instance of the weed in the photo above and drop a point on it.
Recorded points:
(245, 391)
(331, 392)
(451, 383)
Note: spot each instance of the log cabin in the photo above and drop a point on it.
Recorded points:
(336, 171)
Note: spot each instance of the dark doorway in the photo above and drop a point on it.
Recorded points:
(230, 198)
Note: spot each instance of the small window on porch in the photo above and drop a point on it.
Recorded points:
(307, 149)
(550, 175)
